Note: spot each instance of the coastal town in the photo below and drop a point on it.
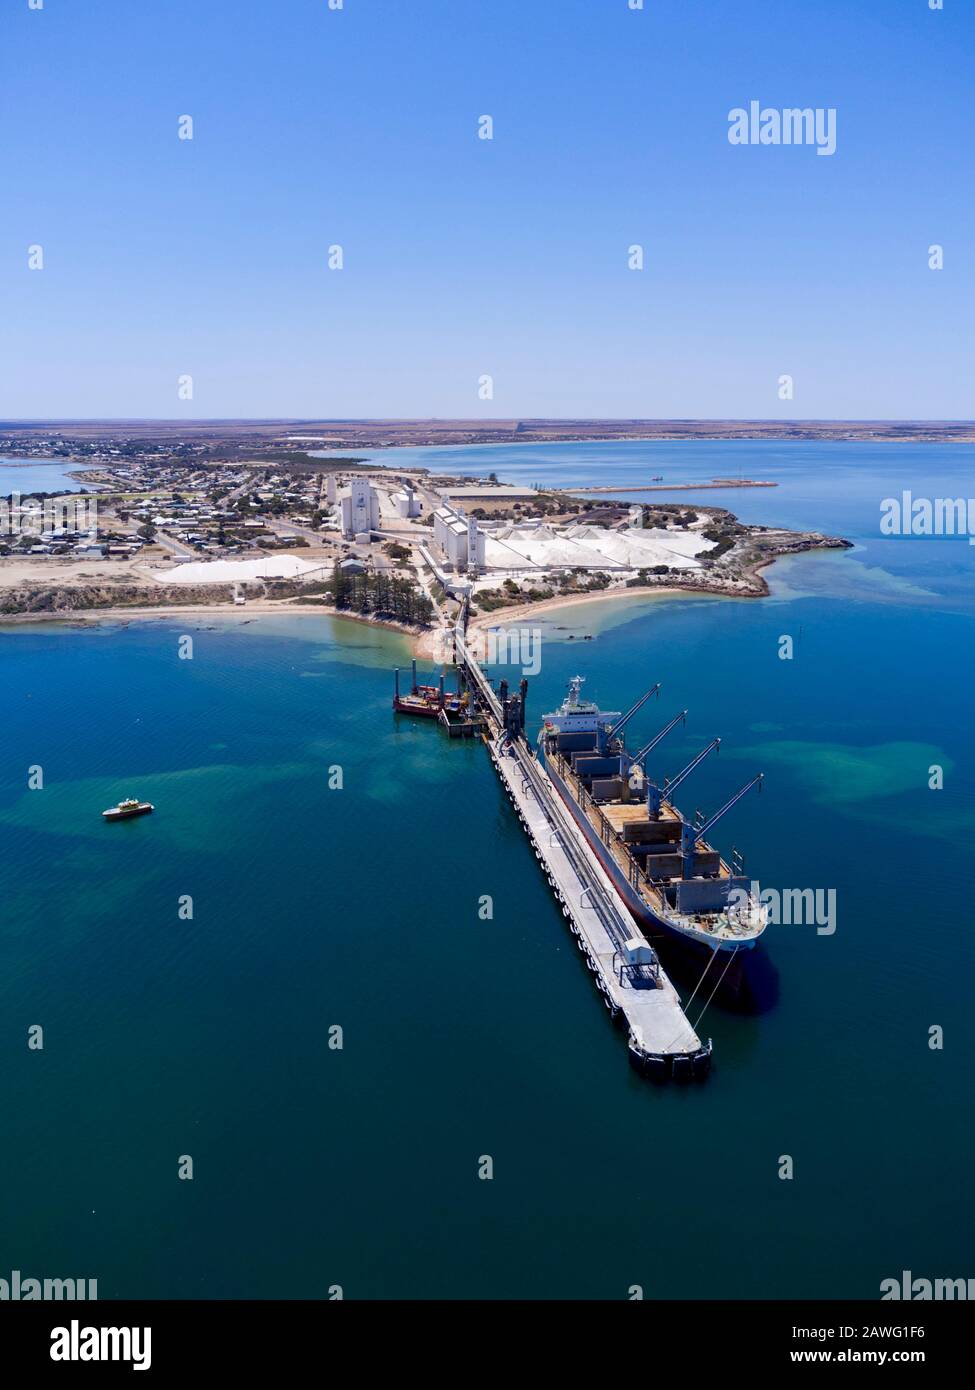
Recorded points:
(161, 527)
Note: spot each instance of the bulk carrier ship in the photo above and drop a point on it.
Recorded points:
(670, 878)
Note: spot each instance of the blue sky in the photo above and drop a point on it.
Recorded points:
(466, 257)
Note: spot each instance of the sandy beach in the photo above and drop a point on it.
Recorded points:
(425, 642)
(517, 613)
(240, 612)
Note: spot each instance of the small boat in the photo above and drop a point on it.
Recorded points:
(125, 809)
(657, 478)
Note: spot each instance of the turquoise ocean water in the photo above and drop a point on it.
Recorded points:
(358, 907)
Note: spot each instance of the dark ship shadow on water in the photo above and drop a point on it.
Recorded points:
(749, 988)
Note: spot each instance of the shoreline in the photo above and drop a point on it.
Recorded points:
(86, 617)
(422, 639)
(433, 466)
(518, 612)
(798, 432)
(501, 616)
(716, 484)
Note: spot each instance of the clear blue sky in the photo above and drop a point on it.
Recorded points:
(465, 257)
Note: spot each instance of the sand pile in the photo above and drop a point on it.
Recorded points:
(236, 571)
(551, 548)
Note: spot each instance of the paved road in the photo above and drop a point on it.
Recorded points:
(174, 546)
(291, 528)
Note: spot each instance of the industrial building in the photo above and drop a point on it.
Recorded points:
(458, 538)
(359, 505)
(408, 505)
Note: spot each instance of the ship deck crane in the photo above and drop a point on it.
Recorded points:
(692, 836)
(655, 796)
(621, 723)
(647, 748)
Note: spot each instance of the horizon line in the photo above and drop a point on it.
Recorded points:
(485, 422)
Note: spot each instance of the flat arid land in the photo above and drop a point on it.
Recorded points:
(234, 435)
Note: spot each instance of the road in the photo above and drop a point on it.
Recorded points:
(174, 546)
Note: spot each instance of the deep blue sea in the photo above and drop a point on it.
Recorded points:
(317, 906)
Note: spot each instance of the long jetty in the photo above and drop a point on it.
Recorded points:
(674, 487)
(625, 968)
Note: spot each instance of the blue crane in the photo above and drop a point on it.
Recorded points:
(691, 836)
(648, 748)
(654, 690)
(639, 756)
(655, 797)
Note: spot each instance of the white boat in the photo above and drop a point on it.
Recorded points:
(126, 809)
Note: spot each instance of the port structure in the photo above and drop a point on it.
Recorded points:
(450, 708)
(625, 968)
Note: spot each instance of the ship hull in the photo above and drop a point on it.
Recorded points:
(419, 711)
(422, 710)
(747, 978)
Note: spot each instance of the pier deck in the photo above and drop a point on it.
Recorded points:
(661, 1040)
(659, 1031)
